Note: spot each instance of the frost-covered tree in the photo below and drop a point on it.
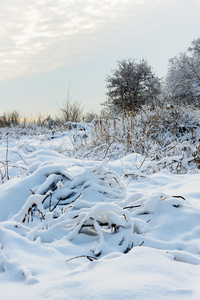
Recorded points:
(131, 85)
(183, 77)
(195, 66)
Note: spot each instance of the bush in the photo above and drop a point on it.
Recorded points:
(152, 132)
(10, 119)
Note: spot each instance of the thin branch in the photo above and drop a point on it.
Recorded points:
(132, 206)
(91, 258)
(181, 197)
(64, 203)
(21, 158)
(7, 175)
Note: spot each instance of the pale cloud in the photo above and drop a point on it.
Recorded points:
(43, 35)
(30, 30)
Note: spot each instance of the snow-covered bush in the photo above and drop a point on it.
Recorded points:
(78, 201)
(61, 188)
(168, 136)
(89, 204)
(155, 133)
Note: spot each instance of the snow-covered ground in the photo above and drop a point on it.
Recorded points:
(83, 229)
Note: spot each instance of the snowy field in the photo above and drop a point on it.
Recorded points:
(73, 228)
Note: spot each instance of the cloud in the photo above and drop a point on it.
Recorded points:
(31, 30)
(43, 35)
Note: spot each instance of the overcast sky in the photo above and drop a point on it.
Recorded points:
(48, 46)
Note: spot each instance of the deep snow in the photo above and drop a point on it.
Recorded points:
(82, 229)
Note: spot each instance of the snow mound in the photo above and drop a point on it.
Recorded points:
(110, 228)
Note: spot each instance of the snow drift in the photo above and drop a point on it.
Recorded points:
(82, 229)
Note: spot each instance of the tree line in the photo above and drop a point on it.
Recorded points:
(133, 84)
(130, 86)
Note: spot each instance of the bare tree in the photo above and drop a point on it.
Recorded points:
(71, 111)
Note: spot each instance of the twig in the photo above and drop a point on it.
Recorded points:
(91, 258)
(14, 165)
(50, 202)
(64, 203)
(21, 158)
(7, 175)
(3, 176)
(132, 206)
(134, 175)
(142, 162)
(108, 146)
(181, 197)
(128, 248)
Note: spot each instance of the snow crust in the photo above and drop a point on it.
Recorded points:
(82, 229)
